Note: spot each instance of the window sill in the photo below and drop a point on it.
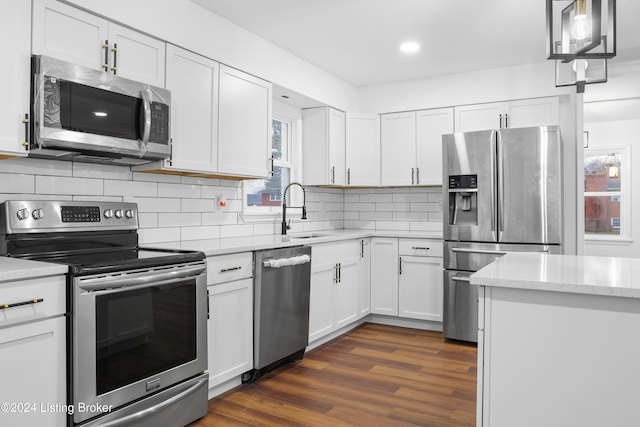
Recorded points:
(601, 240)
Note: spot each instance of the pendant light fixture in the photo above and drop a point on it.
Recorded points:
(581, 36)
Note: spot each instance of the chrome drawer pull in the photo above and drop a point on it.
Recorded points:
(419, 247)
(18, 304)
(226, 270)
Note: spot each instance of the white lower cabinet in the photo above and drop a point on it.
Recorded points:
(406, 278)
(33, 353)
(230, 324)
(335, 287)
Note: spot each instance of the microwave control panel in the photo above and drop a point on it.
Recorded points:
(159, 123)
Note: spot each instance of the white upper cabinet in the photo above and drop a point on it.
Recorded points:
(244, 124)
(14, 108)
(430, 126)
(363, 150)
(136, 56)
(72, 35)
(193, 82)
(412, 146)
(511, 114)
(398, 148)
(323, 142)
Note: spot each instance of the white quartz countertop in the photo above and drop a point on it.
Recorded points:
(610, 276)
(212, 247)
(12, 269)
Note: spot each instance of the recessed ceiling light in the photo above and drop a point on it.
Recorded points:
(409, 47)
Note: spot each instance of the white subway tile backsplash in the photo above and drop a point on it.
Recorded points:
(158, 235)
(376, 216)
(148, 220)
(410, 216)
(156, 177)
(410, 197)
(198, 205)
(219, 218)
(71, 186)
(379, 198)
(153, 204)
(36, 167)
(236, 230)
(392, 225)
(130, 188)
(435, 197)
(31, 196)
(199, 180)
(190, 191)
(351, 198)
(92, 198)
(392, 207)
(180, 219)
(362, 207)
(17, 183)
(262, 229)
(92, 170)
(197, 233)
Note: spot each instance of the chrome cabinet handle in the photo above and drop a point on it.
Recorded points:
(500, 125)
(400, 266)
(506, 121)
(412, 176)
(226, 270)
(333, 175)
(19, 304)
(417, 176)
(25, 122)
(339, 273)
(361, 248)
(272, 165)
(105, 46)
(415, 248)
(349, 176)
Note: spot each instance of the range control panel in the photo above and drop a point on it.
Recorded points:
(47, 215)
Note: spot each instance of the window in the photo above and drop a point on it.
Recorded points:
(606, 194)
(264, 196)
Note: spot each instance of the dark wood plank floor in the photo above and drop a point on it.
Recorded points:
(373, 376)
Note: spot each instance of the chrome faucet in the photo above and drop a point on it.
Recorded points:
(284, 206)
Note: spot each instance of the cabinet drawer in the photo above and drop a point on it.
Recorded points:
(420, 247)
(48, 291)
(225, 268)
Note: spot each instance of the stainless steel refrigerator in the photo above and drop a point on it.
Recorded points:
(502, 193)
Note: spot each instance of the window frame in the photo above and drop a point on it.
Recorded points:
(258, 212)
(624, 194)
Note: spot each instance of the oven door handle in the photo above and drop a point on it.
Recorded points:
(127, 420)
(111, 282)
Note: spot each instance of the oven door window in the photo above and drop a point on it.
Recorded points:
(144, 332)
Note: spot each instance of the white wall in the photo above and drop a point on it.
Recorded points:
(619, 134)
(192, 27)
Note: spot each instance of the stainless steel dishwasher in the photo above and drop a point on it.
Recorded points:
(281, 307)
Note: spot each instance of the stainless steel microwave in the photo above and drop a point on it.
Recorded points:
(88, 115)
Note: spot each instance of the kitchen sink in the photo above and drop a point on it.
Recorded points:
(305, 235)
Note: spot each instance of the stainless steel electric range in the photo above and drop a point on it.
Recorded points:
(136, 328)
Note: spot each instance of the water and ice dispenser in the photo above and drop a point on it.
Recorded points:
(463, 199)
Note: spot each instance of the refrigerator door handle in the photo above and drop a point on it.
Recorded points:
(500, 185)
(494, 136)
(460, 279)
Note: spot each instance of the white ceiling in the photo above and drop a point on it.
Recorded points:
(357, 40)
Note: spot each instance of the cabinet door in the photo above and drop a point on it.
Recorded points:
(364, 278)
(193, 82)
(69, 34)
(323, 278)
(478, 117)
(398, 148)
(346, 290)
(244, 124)
(531, 112)
(33, 371)
(15, 71)
(384, 276)
(230, 330)
(337, 141)
(136, 56)
(430, 126)
(363, 150)
(420, 288)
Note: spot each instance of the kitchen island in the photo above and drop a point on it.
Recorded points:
(558, 341)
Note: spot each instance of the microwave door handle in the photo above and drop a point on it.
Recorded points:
(145, 116)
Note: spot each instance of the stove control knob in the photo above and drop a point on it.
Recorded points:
(37, 214)
(129, 213)
(108, 213)
(23, 214)
(119, 213)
